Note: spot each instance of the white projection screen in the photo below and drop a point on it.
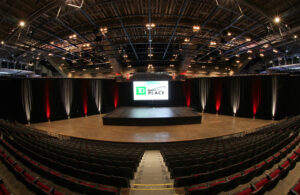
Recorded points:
(150, 90)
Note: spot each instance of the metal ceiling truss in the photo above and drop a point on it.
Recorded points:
(47, 27)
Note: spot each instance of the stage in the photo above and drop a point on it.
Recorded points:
(150, 116)
(92, 127)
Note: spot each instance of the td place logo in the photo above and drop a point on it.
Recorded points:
(141, 90)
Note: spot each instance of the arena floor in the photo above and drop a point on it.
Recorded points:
(91, 127)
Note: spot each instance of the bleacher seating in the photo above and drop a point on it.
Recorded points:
(74, 163)
(232, 159)
(205, 166)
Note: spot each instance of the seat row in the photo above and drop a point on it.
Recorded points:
(245, 176)
(40, 187)
(3, 189)
(270, 180)
(295, 189)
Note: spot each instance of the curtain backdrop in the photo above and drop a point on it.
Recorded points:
(67, 94)
(235, 94)
(256, 94)
(187, 92)
(97, 93)
(27, 98)
(204, 85)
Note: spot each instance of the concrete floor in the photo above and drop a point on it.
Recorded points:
(91, 127)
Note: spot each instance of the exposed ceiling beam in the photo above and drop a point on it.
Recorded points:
(255, 8)
(114, 62)
(124, 29)
(175, 27)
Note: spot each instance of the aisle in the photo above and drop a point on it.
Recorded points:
(152, 176)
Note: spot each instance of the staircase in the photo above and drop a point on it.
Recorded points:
(152, 176)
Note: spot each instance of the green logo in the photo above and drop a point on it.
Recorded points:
(140, 90)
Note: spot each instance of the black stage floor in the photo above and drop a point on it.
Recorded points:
(138, 116)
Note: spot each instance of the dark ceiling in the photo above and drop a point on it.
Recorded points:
(112, 35)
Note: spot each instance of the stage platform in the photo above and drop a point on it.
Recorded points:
(152, 116)
(92, 127)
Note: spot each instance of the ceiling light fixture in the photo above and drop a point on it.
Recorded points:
(265, 46)
(277, 19)
(2, 42)
(295, 36)
(103, 30)
(213, 43)
(22, 24)
(275, 50)
(249, 58)
(229, 34)
(150, 26)
(186, 39)
(262, 55)
(196, 28)
(74, 36)
(249, 51)
(248, 39)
